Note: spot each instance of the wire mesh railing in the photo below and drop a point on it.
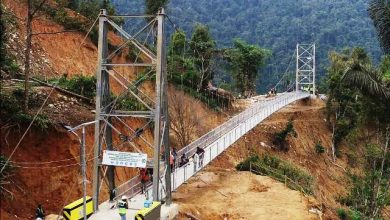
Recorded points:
(217, 140)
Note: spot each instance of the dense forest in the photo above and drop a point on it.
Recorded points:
(276, 25)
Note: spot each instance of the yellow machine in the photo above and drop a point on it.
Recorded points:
(151, 213)
(74, 211)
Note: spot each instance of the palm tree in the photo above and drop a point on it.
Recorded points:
(368, 79)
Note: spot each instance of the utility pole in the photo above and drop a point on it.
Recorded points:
(305, 67)
(82, 160)
(83, 171)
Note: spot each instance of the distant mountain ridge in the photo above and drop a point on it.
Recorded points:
(277, 25)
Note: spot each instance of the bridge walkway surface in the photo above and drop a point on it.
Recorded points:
(213, 143)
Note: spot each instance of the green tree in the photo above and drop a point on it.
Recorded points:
(367, 86)
(179, 62)
(246, 61)
(343, 107)
(370, 192)
(370, 80)
(202, 48)
(178, 43)
(152, 6)
(379, 11)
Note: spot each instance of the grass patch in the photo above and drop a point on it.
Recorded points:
(281, 170)
(11, 110)
(82, 85)
(129, 103)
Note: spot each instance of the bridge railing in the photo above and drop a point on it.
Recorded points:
(216, 141)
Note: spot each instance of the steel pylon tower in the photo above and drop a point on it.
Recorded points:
(306, 67)
(156, 113)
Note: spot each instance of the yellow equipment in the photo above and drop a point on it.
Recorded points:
(151, 213)
(74, 211)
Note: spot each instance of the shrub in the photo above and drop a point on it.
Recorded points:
(129, 103)
(280, 137)
(143, 77)
(342, 214)
(352, 159)
(41, 121)
(60, 16)
(11, 111)
(9, 105)
(319, 148)
(83, 85)
(279, 169)
(34, 100)
(354, 215)
(134, 54)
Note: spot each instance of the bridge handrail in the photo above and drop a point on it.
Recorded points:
(132, 187)
(234, 121)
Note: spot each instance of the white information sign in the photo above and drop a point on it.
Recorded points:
(124, 159)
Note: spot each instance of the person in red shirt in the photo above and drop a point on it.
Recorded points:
(172, 161)
(144, 175)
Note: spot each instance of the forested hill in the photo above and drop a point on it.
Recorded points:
(277, 25)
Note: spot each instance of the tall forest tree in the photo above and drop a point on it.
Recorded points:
(202, 47)
(342, 107)
(31, 11)
(179, 63)
(152, 6)
(246, 61)
(370, 192)
(379, 11)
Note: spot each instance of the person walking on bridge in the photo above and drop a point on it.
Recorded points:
(122, 206)
(183, 160)
(171, 161)
(144, 174)
(200, 152)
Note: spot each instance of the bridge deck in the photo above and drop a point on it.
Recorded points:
(216, 141)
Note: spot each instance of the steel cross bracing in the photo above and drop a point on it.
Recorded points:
(111, 123)
(305, 67)
(216, 141)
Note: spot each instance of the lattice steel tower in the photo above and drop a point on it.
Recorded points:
(306, 67)
(113, 129)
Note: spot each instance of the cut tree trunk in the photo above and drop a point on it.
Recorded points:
(27, 55)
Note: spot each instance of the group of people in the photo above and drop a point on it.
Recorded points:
(272, 92)
(197, 157)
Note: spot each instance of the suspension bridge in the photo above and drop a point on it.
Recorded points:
(213, 142)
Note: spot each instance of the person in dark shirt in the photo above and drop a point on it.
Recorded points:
(39, 212)
(200, 152)
(183, 160)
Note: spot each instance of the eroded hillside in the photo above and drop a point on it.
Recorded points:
(227, 189)
(46, 164)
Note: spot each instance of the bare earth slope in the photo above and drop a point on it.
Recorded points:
(53, 56)
(240, 195)
(273, 200)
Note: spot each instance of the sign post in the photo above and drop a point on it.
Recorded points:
(124, 159)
